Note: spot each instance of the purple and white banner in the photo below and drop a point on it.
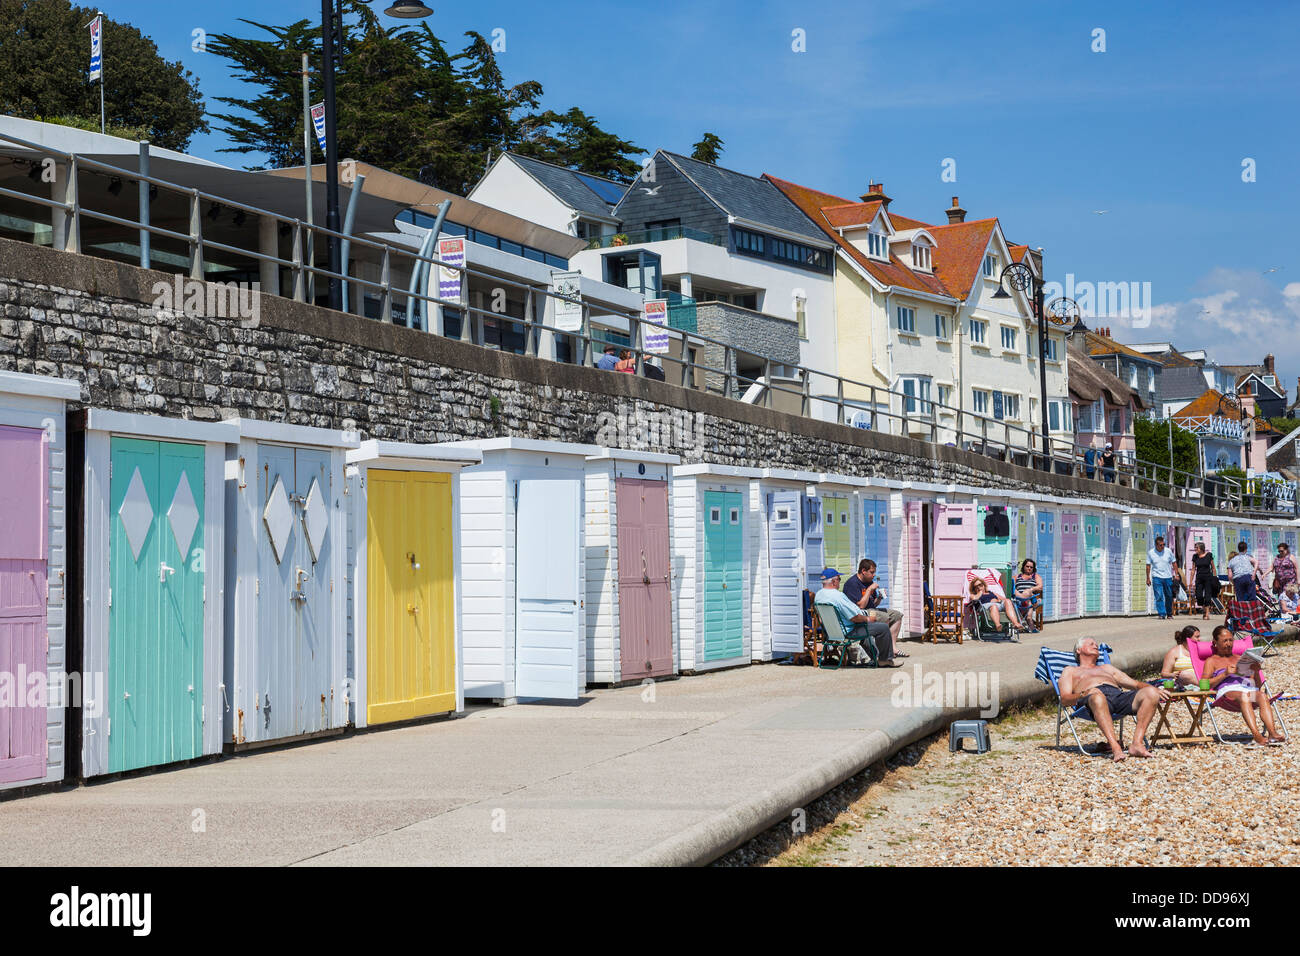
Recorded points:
(655, 334)
(97, 49)
(451, 252)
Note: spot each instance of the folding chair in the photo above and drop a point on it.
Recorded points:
(836, 637)
(944, 614)
(1251, 617)
(812, 633)
(1202, 651)
(1051, 663)
(984, 629)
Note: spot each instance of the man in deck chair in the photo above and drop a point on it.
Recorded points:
(856, 621)
(1110, 693)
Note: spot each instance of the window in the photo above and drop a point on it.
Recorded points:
(1008, 338)
(1084, 415)
(945, 395)
(917, 390)
(1132, 376)
(978, 332)
(1051, 349)
(800, 316)
(1117, 419)
(990, 266)
(1151, 380)
(1053, 416)
(1011, 406)
(921, 257)
(749, 243)
(906, 319)
(941, 326)
(796, 252)
(877, 246)
(980, 402)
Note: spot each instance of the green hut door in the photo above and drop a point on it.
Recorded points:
(723, 570)
(155, 620)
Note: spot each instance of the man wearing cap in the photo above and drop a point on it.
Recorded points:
(1108, 463)
(864, 624)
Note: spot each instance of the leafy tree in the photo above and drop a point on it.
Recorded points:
(576, 140)
(708, 149)
(92, 125)
(404, 103)
(1284, 426)
(45, 59)
(1152, 441)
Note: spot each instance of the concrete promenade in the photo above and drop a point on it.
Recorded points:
(611, 779)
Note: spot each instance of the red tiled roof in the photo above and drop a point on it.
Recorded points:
(852, 214)
(820, 207)
(1203, 406)
(960, 255)
(1017, 252)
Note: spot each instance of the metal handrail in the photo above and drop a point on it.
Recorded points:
(910, 416)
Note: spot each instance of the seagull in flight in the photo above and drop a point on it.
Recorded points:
(1100, 212)
(1274, 269)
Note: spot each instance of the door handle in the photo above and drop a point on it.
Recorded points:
(126, 695)
(412, 609)
(164, 569)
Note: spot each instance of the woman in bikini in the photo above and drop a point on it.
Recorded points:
(1028, 588)
(1221, 671)
(1178, 662)
(979, 594)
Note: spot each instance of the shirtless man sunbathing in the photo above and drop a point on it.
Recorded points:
(1109, 693)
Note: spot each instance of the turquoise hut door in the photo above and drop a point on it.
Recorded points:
(155, 619)
(723, 625)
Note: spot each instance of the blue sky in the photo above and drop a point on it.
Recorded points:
(1043, 130)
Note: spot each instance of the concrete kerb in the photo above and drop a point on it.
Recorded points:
(711, 838)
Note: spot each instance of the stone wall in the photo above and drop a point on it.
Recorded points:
(96, 321)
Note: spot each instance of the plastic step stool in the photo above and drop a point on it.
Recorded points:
(977, 730)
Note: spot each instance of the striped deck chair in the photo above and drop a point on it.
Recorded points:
(1051, 663)
(1251, 617)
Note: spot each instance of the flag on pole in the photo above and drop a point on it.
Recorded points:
(96, 48)
(318, 121)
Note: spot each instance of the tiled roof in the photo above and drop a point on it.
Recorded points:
(1203, 406)
(746, 197)
(819, 207)
(1017, 252)
(567, 185)
(853, 214)
(1089, 382)
(960, 255)
(1176, 359)
(1098, 344)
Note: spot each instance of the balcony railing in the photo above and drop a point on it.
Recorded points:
(681, 312)
(654, 235)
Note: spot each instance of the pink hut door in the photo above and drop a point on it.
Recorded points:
(23, 637)
(645, 628)
(954, 547)
(1069, 600)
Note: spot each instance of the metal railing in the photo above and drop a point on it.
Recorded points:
(797, 389)
(660, 234)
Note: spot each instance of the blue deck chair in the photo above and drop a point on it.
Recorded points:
(1051, 663)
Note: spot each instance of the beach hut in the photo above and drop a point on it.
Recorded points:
(33, 571)
(955, 550)
(913, 568)
(993, 529)
(523, 551)
(714, 538)
(152, 508)
(783, 502)
(1046, 558)
(405, 580)
(878, 541)
(286, 665)
(629, 592)
(1070, 560)
(838, 543)
(1139, 544)
(1116, 580)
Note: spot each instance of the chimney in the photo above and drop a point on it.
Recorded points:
(1268, 364)
(955, 213)
(876, 193)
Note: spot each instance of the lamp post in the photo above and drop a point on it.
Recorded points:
(1063, 312)
(330, 13)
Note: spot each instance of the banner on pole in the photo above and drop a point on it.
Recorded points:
(318, 121)
(451, 252)
(97, 49)
(655, 316)
(568, 300)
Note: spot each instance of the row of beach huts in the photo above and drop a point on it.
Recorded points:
(176, 588)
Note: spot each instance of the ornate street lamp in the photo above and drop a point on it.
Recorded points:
(330, 14)
(1062, 312)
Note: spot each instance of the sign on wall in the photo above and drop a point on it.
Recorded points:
(655, 316)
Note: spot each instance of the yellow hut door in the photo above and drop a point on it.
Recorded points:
(410, 623)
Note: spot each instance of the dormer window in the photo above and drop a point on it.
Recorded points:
(877, 246)
(921, 258)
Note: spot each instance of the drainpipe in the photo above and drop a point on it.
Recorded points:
(417, 270)
(432, 242)
(347, 242)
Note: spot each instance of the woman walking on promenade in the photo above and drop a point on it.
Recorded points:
(1206, 582)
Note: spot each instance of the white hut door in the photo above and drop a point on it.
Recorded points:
(547, 516)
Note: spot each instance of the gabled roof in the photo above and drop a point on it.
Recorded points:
(960, 255)
(1097, 344)
(569, 186)
(1259, 374)
(745, 197)
(817, 205)
(1017, 252)
(1089, 382)
(1176, 359)
(855, 213)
